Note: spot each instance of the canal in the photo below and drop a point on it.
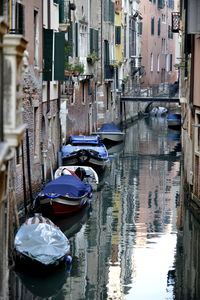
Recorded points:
(124, 246)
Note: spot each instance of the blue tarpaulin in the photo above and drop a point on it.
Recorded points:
(67, 184)
(108, 127)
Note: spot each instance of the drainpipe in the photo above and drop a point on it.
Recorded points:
(101, 42)
(49, 27)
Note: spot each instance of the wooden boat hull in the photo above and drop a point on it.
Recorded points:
(112, 136)
(60, 206)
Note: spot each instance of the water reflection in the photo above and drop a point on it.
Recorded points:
(125, 247)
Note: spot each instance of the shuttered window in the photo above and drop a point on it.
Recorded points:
(47, 54)
(76, 39)
(117, 35)
(59, 56)
(109, 11)
(161, 4)
(140, 28)
(94, 38)
(106, 53)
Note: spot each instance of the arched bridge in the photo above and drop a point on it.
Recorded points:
(152, 93)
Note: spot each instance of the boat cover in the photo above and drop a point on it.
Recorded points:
(109, 127)
(86, 139)
(68, 185)
(41, 241)
(174, 117)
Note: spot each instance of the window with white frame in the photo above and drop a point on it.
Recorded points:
(167, 63)
(158, 63)
(151, 62)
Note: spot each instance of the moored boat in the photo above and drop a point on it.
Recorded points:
(65, 194)
(85, 173)
(174, 120)
(39, 243)
(86, 151)
(110, 133)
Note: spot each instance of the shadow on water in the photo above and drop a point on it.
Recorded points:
(127, 241)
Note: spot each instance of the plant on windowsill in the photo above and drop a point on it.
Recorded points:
(75, 70)
(125, 79)
(78, 69)
(68, 69)
(114, 64)
(92, 58)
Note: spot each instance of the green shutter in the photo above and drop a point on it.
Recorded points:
(111, 11)
(47, 54)
(70, 39)
(91, 40)
(59, 56)
(76, 39)
(140, 28)
(96, 41)
(117, 35)
(61, 11)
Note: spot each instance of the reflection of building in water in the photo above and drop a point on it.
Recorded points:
(187, 259)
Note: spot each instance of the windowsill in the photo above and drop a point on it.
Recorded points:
(4, 149)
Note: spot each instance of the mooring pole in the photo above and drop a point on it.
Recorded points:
(24, 180)
(29, 166)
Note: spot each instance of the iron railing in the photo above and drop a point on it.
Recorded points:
(154, 90)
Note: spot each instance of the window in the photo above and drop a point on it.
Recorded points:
(163, 46)
(59, 56)
(19, 19)
(94, 39)
(36, 37)
(117, 35)
(125, 33)
(170, 33)
(152, 26)
(109, 11)
(159, 27)
(161, 4)
(167, 63)
(47, 54)
(132, 37)
(170, 62)
(83, 93)
(151, 62)
(171, 4)
(158, 63)
(140, 28)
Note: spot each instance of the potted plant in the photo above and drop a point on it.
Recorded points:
(78, 69)
(68, 69)
(92, 58)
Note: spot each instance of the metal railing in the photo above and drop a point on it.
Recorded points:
(167, 90)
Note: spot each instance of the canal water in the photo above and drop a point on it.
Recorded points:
(124, 245)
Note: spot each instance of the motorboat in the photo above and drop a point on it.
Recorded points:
(86, 151)
(63, 195)
(86, 174)
(174, 120)
(158, 111)
(110, 133)
(39, 243)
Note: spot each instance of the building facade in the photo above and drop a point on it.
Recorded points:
(158, 43)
